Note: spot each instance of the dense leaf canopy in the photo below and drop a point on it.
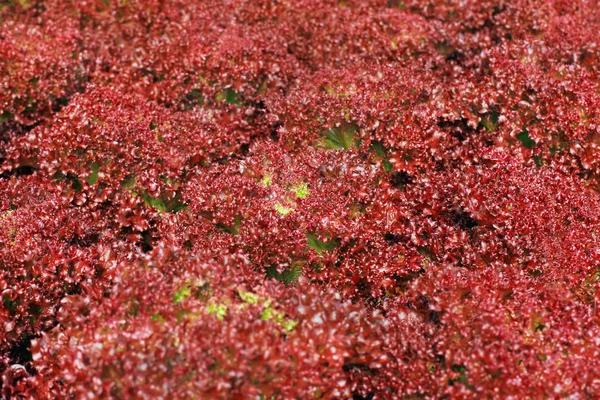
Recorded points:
(271, 199)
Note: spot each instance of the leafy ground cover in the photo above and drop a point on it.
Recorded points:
(265, 199)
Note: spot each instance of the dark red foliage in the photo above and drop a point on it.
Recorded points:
(353, 199)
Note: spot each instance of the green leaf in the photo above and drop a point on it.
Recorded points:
(320, 246)
(154, 202)
(301, 190)
(134, 308)
(128, 182)
(231, 229)
(166, 181)
(334, 92)
(490, 121)
(381, 151)
(378, 148)
(269, 313)
(6, 116)
(248, 297)
(220, 310)
(164, 204)
(59, 176)
(267, 180)
(288, 275)
(75, 183)
(537, 323)
(289, 324)
(281, 209)
(342, 137)
(195, 95)
(93, 177)
(10, 305)
(229, 95)
(462, 378)
(157, 317)
(181, 295)
(525, 140)
(387, 166)
(291, 275)
(458, 368)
